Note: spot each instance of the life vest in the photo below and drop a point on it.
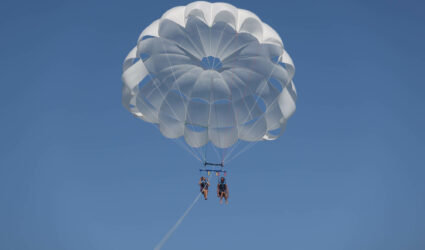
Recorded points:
(204, 183)
(222, 186)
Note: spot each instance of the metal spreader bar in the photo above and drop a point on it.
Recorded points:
(213, 170)
(213, 164)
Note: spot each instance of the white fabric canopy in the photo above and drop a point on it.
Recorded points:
(210, 72)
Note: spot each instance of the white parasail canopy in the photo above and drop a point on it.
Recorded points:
(210, 72)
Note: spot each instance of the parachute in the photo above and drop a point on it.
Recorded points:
(210, 75)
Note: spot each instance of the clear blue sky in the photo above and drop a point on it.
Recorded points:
(78, 171)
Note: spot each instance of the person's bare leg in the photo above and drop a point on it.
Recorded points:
(221, 198)
(206, 194)
(225, 198)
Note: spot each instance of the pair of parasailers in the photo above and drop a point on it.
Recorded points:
(222, 190)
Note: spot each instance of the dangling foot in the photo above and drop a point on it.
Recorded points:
(227, 202)
(221, 201)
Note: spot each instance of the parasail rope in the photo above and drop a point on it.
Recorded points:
(179, 221)
(184, 146)
(188, 149)
(245, 148)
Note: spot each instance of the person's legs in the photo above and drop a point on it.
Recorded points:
(206, 194)
(221, 197)
(225, 198)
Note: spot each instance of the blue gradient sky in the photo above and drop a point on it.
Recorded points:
(77, 171)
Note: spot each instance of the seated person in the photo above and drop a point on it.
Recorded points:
(204, 183)
(222, 190)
